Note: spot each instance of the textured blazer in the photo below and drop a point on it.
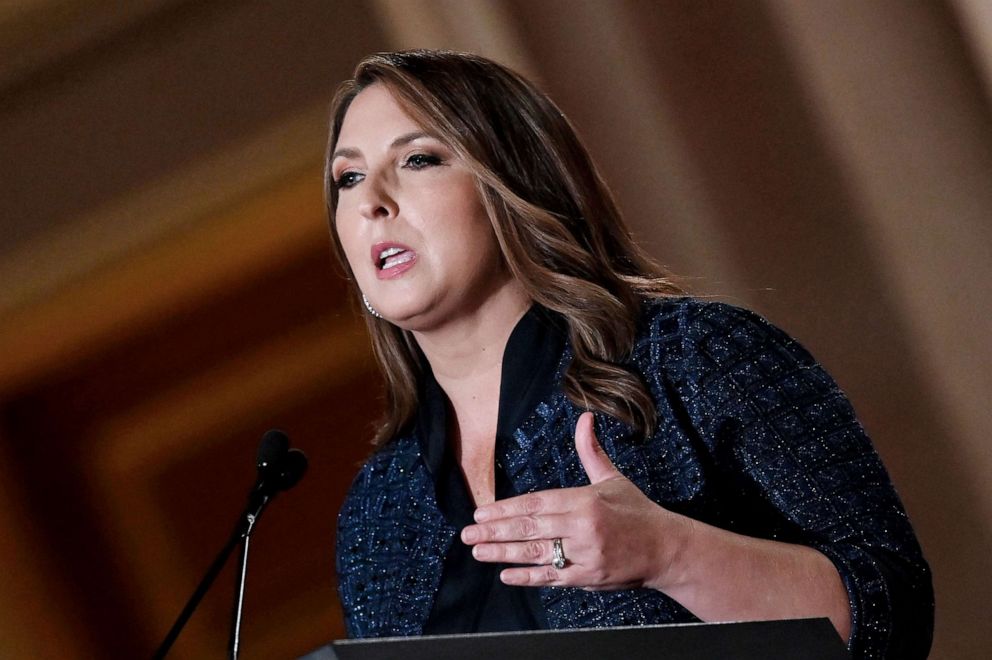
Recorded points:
(753, 436)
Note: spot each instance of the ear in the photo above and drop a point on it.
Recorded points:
(597, 464)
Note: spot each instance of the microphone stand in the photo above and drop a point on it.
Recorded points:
(239, 586)
(257, 500)
(279, 469)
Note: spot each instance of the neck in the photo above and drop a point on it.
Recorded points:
(463, 348)
(466, 357)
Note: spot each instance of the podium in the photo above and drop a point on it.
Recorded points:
(795, 639)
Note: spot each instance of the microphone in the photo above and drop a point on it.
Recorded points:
(279, 468)
(275, 444)
(293, 468)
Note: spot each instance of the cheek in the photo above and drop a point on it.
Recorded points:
(478, 232)
(350, 245)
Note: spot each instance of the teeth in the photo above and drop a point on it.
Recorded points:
(394, 256)
(396, 261)
(388, 252)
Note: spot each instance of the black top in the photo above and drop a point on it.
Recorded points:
(471, 597)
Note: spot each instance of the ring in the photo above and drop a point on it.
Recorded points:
(558, 555)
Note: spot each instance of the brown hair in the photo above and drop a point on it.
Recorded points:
(557, 225)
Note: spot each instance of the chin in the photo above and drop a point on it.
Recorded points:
(411, 323)
(414, 318)
(406, 316)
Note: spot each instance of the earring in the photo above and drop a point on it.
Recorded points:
(369, 307)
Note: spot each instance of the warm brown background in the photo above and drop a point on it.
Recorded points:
(166, 292)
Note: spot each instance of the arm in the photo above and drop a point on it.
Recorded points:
(779, 423)
(615, 537)
(723, 576)
(772, 421)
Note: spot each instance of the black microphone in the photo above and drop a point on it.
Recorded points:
(294, 466)
(274, 446)
(279, 468)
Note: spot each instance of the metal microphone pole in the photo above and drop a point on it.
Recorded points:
(201, 591)
(239, 587)
(280, 468)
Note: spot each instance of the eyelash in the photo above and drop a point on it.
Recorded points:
(418, 161)
(423, 161)
(346, 180)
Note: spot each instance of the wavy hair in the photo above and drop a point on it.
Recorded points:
(558, 228)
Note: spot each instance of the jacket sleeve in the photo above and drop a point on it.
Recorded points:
(349, 557)
(767, 410)
(363, 526)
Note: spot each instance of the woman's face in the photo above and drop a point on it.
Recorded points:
(410, 220)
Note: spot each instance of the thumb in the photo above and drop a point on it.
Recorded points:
(595, 461)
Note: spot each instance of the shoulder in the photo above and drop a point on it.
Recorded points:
(703, 336)
(376, 500)
(729, 367)
(704, 322)
(390, 467)
(389, 509)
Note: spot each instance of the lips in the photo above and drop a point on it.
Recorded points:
(392, 259)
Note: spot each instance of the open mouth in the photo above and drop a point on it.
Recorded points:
(392, 259)
(394, 256)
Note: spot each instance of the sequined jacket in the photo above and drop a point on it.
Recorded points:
(753, 436)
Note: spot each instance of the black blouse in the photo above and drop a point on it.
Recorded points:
(471, 597)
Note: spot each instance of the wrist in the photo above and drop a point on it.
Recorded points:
(675, 548)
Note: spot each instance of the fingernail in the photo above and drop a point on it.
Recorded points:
(481, 515)
(469, 534)
(480, 552)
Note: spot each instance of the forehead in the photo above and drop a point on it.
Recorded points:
(375, 113)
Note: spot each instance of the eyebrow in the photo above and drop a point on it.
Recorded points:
(406, 138)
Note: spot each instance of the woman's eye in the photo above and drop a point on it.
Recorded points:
(347, 180)
(420, 161)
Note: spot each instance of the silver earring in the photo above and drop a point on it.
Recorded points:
(369, 307)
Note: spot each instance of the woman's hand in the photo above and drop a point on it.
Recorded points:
(612, 535)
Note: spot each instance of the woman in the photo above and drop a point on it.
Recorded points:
(569, 441)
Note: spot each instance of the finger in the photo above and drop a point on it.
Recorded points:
(526, 552)
(530, 504)
(597, 464)
(535, 576)
(519, 528)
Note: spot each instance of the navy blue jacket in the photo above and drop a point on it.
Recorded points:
(753, 437)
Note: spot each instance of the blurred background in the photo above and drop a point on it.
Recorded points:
(167, 291)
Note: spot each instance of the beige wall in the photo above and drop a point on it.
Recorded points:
(827, 164)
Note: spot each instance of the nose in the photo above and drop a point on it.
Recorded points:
(377, 203)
